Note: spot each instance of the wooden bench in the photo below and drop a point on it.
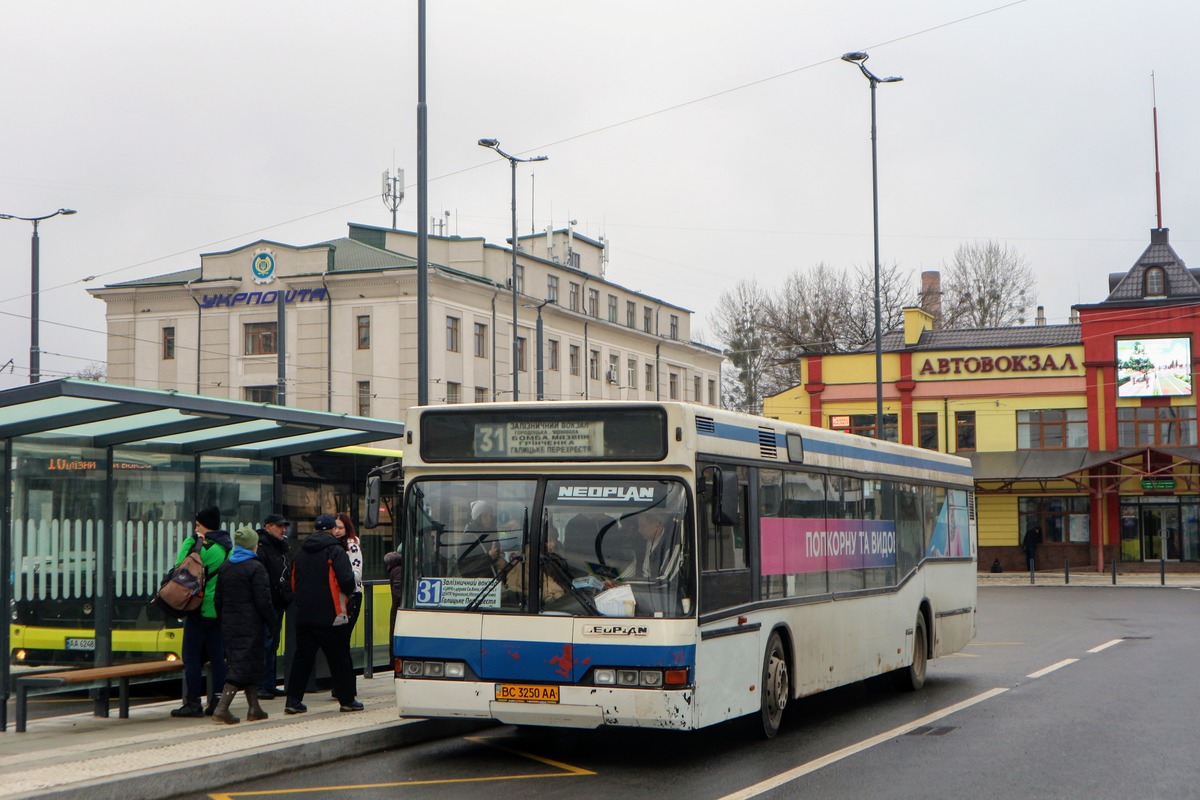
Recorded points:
(92, 678)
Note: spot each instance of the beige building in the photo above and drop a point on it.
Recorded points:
(350, 338)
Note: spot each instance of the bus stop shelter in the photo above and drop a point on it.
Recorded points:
(101, 482)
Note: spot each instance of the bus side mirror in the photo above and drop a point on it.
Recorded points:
(373, 492)
(724, 498)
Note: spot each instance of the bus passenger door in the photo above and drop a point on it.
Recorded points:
(728, 656)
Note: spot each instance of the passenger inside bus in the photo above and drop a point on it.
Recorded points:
(482, 557)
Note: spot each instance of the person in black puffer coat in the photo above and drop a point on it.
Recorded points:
(321, 580)
(244, 608)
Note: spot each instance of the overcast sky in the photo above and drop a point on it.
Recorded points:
(708, 141)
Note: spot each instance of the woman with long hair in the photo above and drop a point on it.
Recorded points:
(343, 529)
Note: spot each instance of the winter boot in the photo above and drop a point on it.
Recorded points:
(222, 713)
(256, 711)
(191, 708)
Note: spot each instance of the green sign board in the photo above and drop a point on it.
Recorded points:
(1160, 483)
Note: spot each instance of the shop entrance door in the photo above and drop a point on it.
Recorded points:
(1160, 528)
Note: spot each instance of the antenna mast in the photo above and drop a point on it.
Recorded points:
(393, 191)
(1157, 179)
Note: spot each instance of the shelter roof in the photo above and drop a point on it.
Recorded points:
(105, 415)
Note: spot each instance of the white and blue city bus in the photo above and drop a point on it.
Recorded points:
(668, 565)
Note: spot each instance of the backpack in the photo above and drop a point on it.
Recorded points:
(183, 588)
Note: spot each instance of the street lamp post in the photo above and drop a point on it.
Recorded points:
(541, 385)
(35, 352)
(860, 60)
(494, 144)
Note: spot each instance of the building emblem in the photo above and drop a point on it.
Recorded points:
(262, 269)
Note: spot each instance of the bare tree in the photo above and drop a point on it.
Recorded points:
(95, 371)
(738, 322)
(858, 320)
(988, 285)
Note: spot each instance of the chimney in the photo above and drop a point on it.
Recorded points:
(1041, 316)
(931, 295)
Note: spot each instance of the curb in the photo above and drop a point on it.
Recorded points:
(202, 776)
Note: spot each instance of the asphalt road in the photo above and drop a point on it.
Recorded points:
(1067, 692)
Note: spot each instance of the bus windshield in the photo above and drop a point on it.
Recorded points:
(612, 547)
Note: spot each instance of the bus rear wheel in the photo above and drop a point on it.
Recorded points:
(776, 688)
(912, 677)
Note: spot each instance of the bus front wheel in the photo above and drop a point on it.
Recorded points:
(776, 687)
(912, 677)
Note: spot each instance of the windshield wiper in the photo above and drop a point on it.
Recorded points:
(499, 577)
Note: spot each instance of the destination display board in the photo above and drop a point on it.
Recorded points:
(568, 434)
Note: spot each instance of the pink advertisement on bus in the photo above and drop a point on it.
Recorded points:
(791, 546)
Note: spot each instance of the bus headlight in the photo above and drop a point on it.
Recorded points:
(409, 668)
(645, 678)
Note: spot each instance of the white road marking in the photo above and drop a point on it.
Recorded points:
(1105, 646)
(1065, 662)
(866, 744)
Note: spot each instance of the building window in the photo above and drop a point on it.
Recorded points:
(168, 343)
(552, 288)
(593, 302)
(594, 365)
(631, 373)
(648, 319)
(927, 430)
(712, 392)
(574, 259)
(452, 334)
(696, 389)
(1062, 519)
(613, 376)
(1156, 282)
(364, 398)
(260, 339)
(481, 394)
(649, 377)
(864, 425)
(1149, 426)
(519, 274)
(522, 360)
(964, 431)
(260, 394)
(552, 355)
(674, 326)
(673, 386)
(630, 314)
(453, 392)
(574, 359)
(481, 340)
(612, 308)
(573, 296)
(1052, 429)
(364, 332)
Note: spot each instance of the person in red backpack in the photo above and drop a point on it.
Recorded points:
(201, 629)
(321, 580)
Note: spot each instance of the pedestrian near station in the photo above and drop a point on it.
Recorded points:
(321, 581)
(273, 552)
(245, 610)
(201, 629)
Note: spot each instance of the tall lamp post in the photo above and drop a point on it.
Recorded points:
(35, 352)
(541, 385)
(494, 144)
(860, 59)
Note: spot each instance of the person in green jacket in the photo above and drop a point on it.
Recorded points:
(201, 629)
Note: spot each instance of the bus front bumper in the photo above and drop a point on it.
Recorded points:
(578, 706)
